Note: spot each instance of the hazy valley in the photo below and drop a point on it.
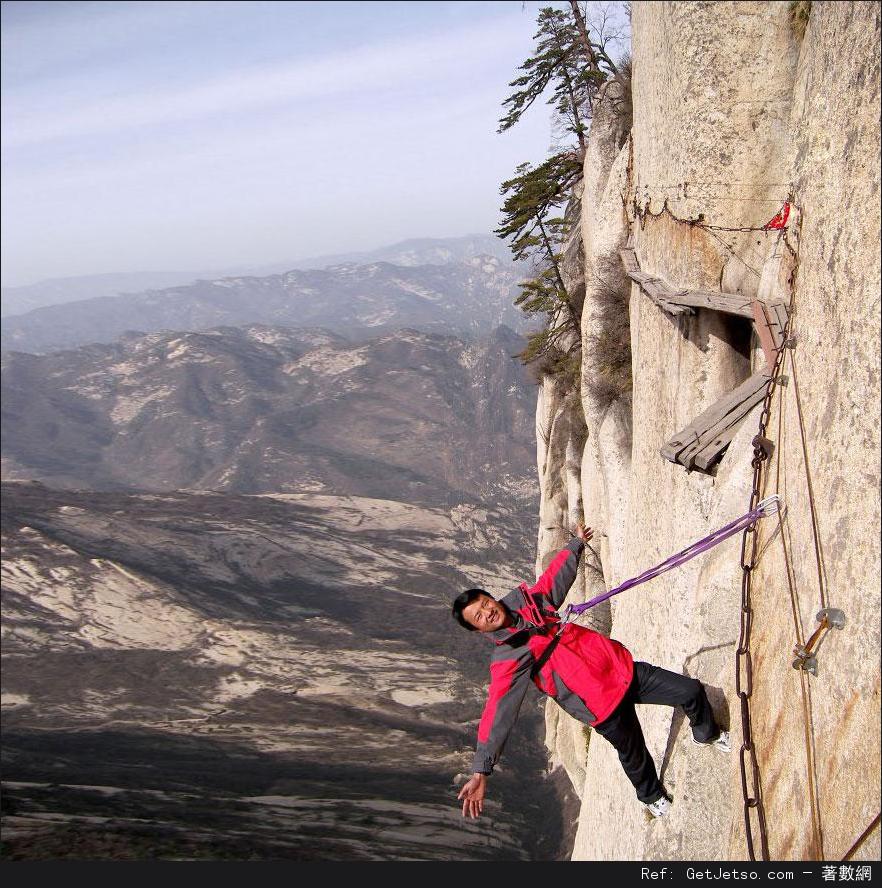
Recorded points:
(245, 677)
(228, 556)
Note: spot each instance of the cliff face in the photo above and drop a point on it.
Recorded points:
(734, 113)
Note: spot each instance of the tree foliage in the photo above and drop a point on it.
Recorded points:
(557, 63)
(571, 61)
(531, 220)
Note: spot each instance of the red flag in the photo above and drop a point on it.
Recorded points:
(780, 221)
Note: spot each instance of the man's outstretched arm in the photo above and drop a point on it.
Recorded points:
(559, 576)
(509, 680)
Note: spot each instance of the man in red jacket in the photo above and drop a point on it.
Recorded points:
(592, 677)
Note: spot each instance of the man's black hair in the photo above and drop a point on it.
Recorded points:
(461, 602)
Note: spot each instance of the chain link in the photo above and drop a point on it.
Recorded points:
(751, 789)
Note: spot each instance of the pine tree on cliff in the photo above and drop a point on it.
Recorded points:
(567, 62)
(556, 63)
(532, 197)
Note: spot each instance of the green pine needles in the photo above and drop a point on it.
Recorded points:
(559, 62)
(570, 63)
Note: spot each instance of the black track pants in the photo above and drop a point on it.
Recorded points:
(652, 684)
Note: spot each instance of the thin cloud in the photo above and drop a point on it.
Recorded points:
(80, 32)
(277, 140)
(170, 151)
(368, 69)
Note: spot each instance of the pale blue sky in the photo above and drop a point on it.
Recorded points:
(195, 135)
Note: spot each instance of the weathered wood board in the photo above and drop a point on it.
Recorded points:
(704, 439)
(682, 301)
(702, 442)
(767, 331)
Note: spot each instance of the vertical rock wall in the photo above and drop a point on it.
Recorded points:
(560, 433)
(818, 736)
(733, 113)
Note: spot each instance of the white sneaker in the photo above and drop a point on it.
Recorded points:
(722, 742)
(660, 807)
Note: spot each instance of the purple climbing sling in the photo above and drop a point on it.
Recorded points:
(768, 506)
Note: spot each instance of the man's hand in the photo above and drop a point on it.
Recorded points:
(472, 795)
(584, 533)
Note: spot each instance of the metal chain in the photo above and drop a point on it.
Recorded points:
(751, 790)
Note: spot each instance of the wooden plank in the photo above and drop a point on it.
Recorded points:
(673, 448)
(721, 407)
(656, 289)
(686, 300)
(642, 277)
(779, 309)
(717, 417)
(769, 336)
(733, 298)
(730, 303)
(701, 453)
(696, 300)
(673, 310)
(770, 321)
(705, 458)
(776, 330)
(720, 440)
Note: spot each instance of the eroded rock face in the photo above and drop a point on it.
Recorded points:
(826, 426)
(733, 114)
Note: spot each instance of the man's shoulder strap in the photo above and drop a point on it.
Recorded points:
(542, 659)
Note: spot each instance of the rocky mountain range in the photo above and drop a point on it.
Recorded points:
(414, 251)
(228, 557)
(410, 416)
(217, 676)
(411, 252)
(465, 298)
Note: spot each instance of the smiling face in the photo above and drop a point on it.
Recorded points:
(486, 614)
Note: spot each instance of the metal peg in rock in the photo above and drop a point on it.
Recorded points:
(806, 656)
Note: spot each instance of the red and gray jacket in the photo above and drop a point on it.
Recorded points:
(586, 673)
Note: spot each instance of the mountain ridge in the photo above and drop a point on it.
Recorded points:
(194, 676)
(17, 300)
(463, 298)
(428, 417)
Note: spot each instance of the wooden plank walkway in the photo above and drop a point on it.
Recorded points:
(702, 442)
(683, 301)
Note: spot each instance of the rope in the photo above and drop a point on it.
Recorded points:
(863, 837)
(768, 506)
(816, 530)
(805, 687)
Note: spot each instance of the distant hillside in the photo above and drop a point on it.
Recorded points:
(412, 416)
(210, 676)
(57, 291)
(416, 251)
(465, 298)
